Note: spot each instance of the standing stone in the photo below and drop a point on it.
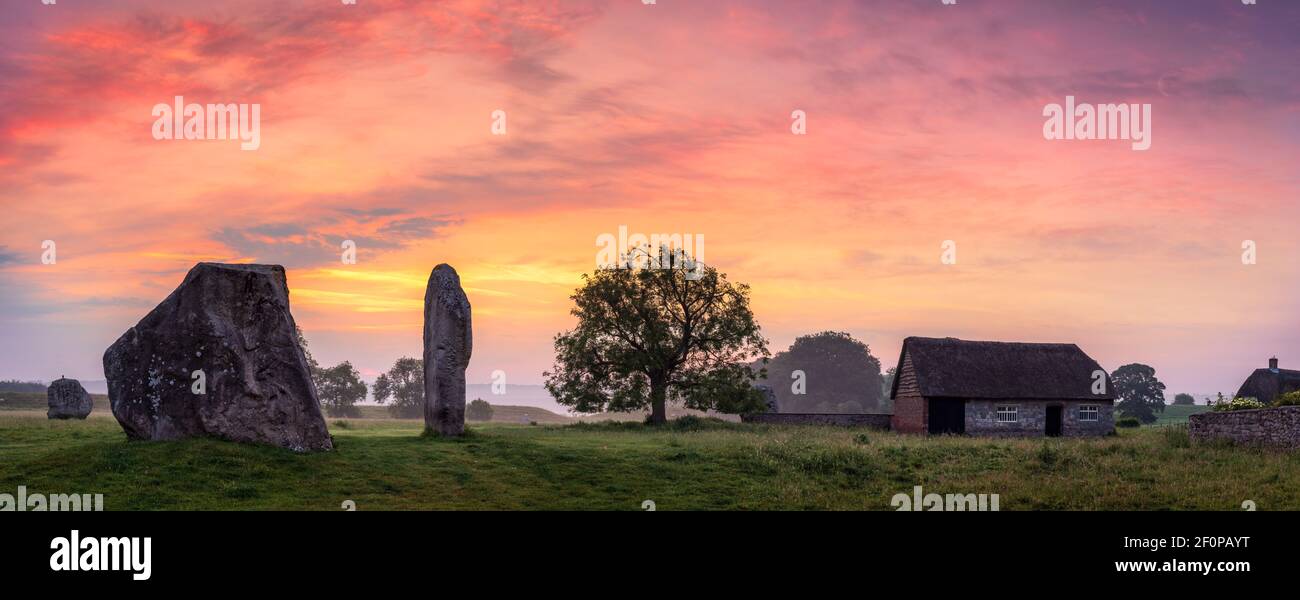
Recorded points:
(219, 357)
(448, 341)
(68, 400)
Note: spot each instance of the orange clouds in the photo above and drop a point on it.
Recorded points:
(924, 125)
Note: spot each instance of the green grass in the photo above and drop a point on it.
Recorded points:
(1177, 413)
(692, 464)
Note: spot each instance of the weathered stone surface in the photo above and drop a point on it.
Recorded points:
(448, 341)
(231, 324)
(68, 400)
(1274, 427)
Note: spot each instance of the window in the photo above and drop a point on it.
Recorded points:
(1089, 412)
(1008, 414)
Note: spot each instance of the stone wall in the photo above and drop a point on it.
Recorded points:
(874, 421)
(1277, 427)
(982, 418)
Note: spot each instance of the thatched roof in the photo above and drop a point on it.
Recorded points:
(953, 368)
(1266, 384)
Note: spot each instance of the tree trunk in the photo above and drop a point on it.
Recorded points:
(658, 410)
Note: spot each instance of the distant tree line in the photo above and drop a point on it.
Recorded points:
(19, 387)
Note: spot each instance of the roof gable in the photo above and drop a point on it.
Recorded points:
(949, 367)
(1266, 384)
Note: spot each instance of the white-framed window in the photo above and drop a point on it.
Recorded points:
(1008, 413)
(1089, 412)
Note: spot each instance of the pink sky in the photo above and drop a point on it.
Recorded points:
(924, 125)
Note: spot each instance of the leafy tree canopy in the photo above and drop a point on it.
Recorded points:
(827, 372)
(672, 330)
(1138, 392)
(340, 388)
(404, 386)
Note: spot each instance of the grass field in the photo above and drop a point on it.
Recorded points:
(697, 464)
(1178, 413)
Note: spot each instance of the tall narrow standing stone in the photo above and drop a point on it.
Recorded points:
(448, 341)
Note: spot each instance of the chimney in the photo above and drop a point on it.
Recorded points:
(1272, 364)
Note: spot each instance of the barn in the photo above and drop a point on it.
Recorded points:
(1266, 385)
(947, 385)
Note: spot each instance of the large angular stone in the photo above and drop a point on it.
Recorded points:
(448, 341)
(230, 327)
(68, 400)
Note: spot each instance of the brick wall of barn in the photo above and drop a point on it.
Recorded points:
(910, 409)
(982, 418)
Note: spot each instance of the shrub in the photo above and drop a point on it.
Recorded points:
(478, 410)
(1128, 422)
(1288, 399)
(862, 439)
(1238, 404)
(1048, 455)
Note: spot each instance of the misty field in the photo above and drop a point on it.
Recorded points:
(691, 464)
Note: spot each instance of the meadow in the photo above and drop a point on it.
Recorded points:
(689, 464)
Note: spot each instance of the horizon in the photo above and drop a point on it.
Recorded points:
(924, 124)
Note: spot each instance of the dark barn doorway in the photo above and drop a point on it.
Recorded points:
(1053, 421)
(947, 416)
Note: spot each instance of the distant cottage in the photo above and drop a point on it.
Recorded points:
(947, 385)
(1266, 385)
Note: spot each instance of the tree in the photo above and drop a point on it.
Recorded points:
(312, 366)
(1184, 399)
(675, 330)
(887, 388)
(1140, 394)
(340, 388)
(478, 410)
(30, 387)
(404, 385)
(839, 375)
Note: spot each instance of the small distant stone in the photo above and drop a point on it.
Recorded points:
(68, 400)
